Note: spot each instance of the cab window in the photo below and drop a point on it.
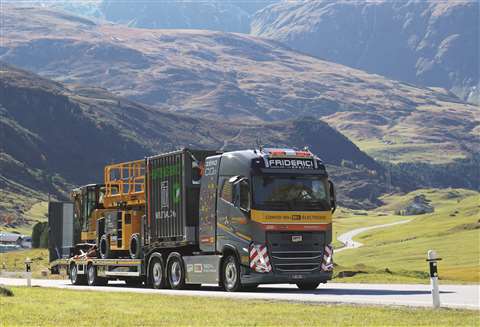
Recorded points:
(227, 191)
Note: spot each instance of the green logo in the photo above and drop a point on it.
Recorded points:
(167, 171)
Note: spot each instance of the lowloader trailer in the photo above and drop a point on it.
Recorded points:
(237, 219)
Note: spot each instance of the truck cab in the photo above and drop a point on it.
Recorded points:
(269, 213)
(88, 204)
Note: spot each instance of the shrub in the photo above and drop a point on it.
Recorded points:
(5, 291)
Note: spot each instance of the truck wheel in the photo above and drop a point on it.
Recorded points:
(176, 271)
(308, 286)
(104, 246)
(231, 274)
(157, 273)
(135, 245)
(92, 277)
(75, 278)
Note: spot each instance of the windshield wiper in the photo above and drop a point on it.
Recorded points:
(306, 204)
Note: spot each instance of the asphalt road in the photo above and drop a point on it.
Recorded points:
(451, 296)
(347, 238)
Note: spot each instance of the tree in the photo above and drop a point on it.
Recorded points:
(40, 235)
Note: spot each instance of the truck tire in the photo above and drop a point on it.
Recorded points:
(92, 277)
(157, 273)
(310, 286)
(176, 271)
(135, 246)
(104, 247)
(75, 278)
(231, 274)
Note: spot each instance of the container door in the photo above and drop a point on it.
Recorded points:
(166, 197)
(208, 201)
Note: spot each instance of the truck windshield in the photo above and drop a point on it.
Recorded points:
(290, 193)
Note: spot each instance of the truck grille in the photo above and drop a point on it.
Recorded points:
(296, 251)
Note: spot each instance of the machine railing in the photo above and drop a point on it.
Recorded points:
(124, 184)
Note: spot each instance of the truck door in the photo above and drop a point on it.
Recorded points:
(232, 212)
(208, 205)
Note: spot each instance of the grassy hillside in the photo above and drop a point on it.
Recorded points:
(14, 261)
(19, 212)
(453, 230)
(239, 77)
(40, 306)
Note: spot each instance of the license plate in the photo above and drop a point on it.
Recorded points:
(297, 276)
(297, 238)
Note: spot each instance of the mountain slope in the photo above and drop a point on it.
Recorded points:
(224, 15)
(211, 15)
(53, 137)
(433, 43)
(242, 78)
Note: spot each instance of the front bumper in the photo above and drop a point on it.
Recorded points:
(248, 277)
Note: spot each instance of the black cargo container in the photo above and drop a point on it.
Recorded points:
(61, 230)
(172, 191)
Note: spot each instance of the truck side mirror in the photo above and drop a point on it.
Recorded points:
(333, 197)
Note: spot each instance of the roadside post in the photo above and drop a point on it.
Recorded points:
(28, 271)
(432, 261)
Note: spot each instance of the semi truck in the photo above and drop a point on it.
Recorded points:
(190, 217)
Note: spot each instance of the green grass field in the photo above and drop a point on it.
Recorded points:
(398, 253)
(55, 307)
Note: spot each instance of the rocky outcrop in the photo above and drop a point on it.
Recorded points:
(431, 43)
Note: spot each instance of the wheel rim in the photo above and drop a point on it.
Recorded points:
(157, 273)
(230, 274)
(175, 273)
(91, 274)
(73, 274)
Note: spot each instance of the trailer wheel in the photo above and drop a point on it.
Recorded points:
(176, 271)
(308, 286)
(231, 274)
(157, 273)
(135, 246)
(104, 247)
(75, 278)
